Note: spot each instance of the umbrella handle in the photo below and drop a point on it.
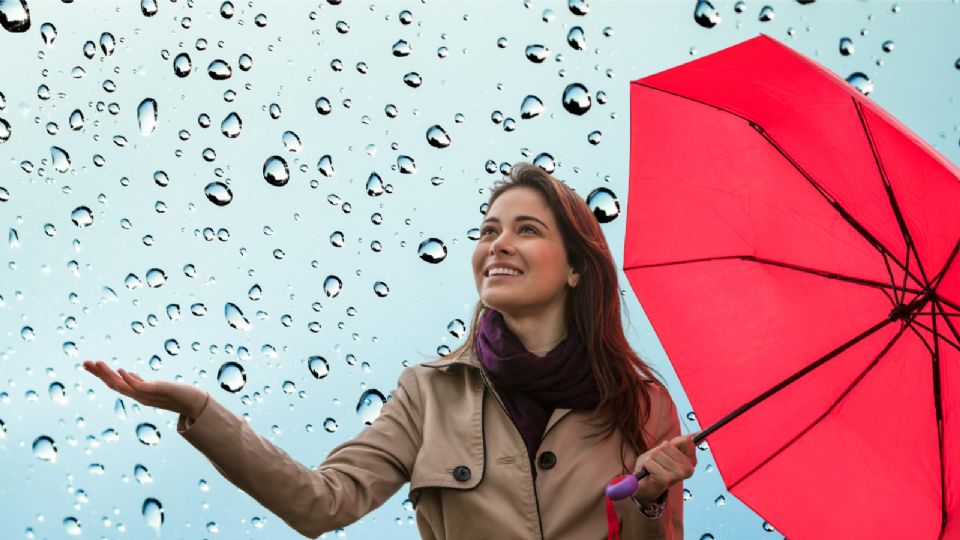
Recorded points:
(624, 486)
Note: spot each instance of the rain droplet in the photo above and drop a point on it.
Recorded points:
(861, 82)
(219, 70)
(888, 46)
(255, 292)
(218, 193)
(172, 347)
(226, 10)
(60, 158)
(740, 6)
(231, 125)
(576, 99)
(604, 205)
(107, 43)
(846, 46)
(401, 48)
(49, 33)
(82, 217)
(45, 449)
(142, 474)
(545, 161)
(14, 15)
(705, 14)
(276, 172)
(432, 250)
(766, 14)
(330, 425)
(291, 141)
(531, 107)
(147, 434)
(323, 105)
(319, 367)
(332, 286)
(381, 289)
(406, 165)
(576, 38)
(198, 310)
(148, 7)
(437, 137)
(89, 49)
(405, 17)
(578, 7)
(325, 165)
(412, 79)
(245, 62)
(152, 512)
(182, 65)
(147, 116)
(156, 278)
(72, 526)
(369, 406)
(456, 328)
(374, 185)
(76, 120)
(235, 317)
(5, 130)
(594, 137)
(232, 377)
(27, 334)
(536, 53)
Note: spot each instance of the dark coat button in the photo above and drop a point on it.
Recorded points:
(461, 473)
(548, 460)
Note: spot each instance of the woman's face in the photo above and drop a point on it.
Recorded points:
(519, 230)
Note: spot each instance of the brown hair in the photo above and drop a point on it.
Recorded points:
(592, 307)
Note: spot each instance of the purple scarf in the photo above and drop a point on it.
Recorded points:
(531, 386)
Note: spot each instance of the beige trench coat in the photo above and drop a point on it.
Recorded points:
(446, 432)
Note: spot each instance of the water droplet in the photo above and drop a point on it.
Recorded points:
(846, 46)
(319, 367)
(198, 310)
(49, 33)
(381, 289)
(720, 501)
(432, 250)
(766, 14)
(260, 20)
(156, 278)
(218, 193)
(219, 70)
(401, 48)
(226, 10)
(576, 99)
(14, 15)
(235, 317)
(336, 239)
(330, 425)
(5, 130)
(861, 82)
(332, 286)
(231, 125)
(576, 38)
(148, 7)
(740, 6)
(82, 217)
(888, 46)
(406, 165)
(578, 7)
(405, 17)
(545, 161)
(323, 105)
(604, 205)
(705, 14)
(60, 158)
(594, 137)
(27, 334)
(107, 43)
(412, 79)
(147, 116)
(232, 377)
(147, 434)
(291, 141)
(369, 406)
(76, 120)
(89, 49)
(72, 526)
(152, 512)
(172, 347)
(142, 474)
(374, 186)
(45, 449)
(245, 62)
(456, 328)
(173, 312)
(437, 137)
(531, 107)
(276, 172)
(325, 165)
(182, 65)
(536, 53)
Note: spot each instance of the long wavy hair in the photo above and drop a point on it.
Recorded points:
(592, 308)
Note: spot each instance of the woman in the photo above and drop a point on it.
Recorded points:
(494, 438)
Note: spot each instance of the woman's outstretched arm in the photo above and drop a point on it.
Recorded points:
(358, 475)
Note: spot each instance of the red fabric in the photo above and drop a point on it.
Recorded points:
(613, 524)
(706, 186)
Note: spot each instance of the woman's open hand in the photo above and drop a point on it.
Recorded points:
(667, 463)
(176, 397)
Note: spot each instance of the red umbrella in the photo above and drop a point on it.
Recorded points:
(795, 249)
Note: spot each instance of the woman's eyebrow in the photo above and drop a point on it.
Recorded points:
(519, 218)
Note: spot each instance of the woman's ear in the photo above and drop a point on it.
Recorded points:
(573, 279)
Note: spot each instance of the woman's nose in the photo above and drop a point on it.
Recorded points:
(500, 244)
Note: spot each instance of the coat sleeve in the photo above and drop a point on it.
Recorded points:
(358, 475)
(664, 417)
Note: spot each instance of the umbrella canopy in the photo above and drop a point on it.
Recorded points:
(795, 249)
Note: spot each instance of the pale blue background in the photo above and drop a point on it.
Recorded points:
(917, 83)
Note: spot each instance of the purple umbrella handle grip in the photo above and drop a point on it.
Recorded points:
(624, 486)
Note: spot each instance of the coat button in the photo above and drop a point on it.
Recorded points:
(461, 473)
(548, 460)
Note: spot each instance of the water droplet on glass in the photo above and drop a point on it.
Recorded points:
(319, 367)
(218, 193)
(60, 158)
(219, 70)
(57, 393)
(604, 205)
(330, 425)
(27, 334)
(235, 317)
(325, 165)
(405, 17)
(45, 449)
(578, 7)
(89, 49)
(705, 14)
(323, 105)
(231, 125)
(437, 137)
(401, 48)
(545, 161)
(412, 79)
(536, 53)
(740, 6)
(594, 137)
(172, 347)
(531, 107)
(156, 278)
(182, 65)
(142, 474)
(406, 165)
(432, 250)
(846, 46)
(888, 46)
(861, 82)
(245, 62)
(381, 289)
(576, 38)
(576, 99)
(374, 186)
(148, 7)
(231, 377)
(291, 141)
(5, 130)
(276, 172)
(766, 14)
(76, 120)
(72, 526)
(332, 286)
(107, 43)
(49, 33)
(226, 10)
(369, 406)
(82, 217)
(456, 328)
(14, 15)
(152, 512)
(336, 238)
(147, 116)
(147, 434)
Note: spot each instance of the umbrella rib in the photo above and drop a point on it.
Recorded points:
(894, 205)
(953, 255)
(938, 405)
(836, 205)
(830, 408)
(814, 271)
(941, 336)
(948, 322)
